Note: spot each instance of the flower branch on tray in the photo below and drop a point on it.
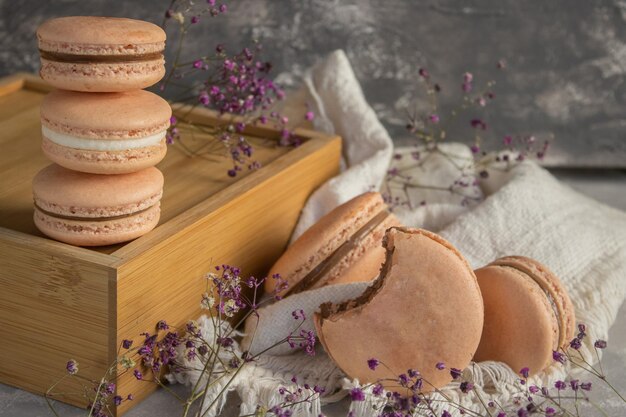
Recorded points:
(237, 86)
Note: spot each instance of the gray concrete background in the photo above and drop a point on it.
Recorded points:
(566, 58)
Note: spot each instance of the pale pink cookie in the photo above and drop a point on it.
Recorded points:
(343, 246)
(94, 210)
(424, 309)
(101, 54)
(528, 314)
(105, 133)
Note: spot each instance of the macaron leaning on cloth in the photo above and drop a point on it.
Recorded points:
(423, 309)
(343, 246)
(528, 314)
(105, 133)
(101, 54)
(94, 210)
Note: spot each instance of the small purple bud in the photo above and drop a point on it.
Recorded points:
(357, 394)
(600, 344)
(137, 373)
(373, 363)
(524, 372)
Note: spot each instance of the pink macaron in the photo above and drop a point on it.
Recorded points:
(528, 314)
(101, 54)
(94, 210)
(105, 133)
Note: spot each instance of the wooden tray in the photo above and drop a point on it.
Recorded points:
(59, 302)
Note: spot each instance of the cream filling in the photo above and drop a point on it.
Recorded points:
(76, 142)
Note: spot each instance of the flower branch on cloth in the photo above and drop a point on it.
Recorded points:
(238, 86)
(462, 170)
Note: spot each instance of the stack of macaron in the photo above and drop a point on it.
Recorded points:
(426, 309)
(103, 132)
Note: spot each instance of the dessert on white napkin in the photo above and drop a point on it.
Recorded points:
(526, 212)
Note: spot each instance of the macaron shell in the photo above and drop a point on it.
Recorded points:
(107, 116)
(521, 328)
(98, 232)
(102, 77)
(324, 237)
(425, 308)
(104, 162)
(75, 34)
(57, 185)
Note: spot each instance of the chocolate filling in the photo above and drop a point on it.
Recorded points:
(76, 58)
(329, 309)
(90, 219)
(331, 261)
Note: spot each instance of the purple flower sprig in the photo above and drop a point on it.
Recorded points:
(429, 130)
(238, 86)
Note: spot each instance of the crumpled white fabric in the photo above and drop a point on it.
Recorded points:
(526, 212)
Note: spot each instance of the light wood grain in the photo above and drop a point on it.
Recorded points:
(59, 302)
(54, 306)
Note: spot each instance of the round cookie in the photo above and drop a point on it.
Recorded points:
(424, 308)
(101, 54)
(94, 210)
(343, 246)
(528, 314)
(105, 133)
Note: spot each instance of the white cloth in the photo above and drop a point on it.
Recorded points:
(526, 212)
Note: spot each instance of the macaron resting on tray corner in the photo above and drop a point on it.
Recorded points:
(206, 216)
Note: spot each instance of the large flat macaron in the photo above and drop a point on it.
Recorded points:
(424, 308)
(101, 54)
(94, 210)
(528, 314)
(343, 246)
(105, 133)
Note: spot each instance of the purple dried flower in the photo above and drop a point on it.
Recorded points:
(137, 373)
(560, 385)
(403, 379)
(468, 77)
(600, 344)
(522, 412)
(298, 314)
(574, 384)
(423, 73)
(72, 367)
(440, 365)
(232, 173)
(533, 389)
(126, 344)
(455, 373)
(373, 363)
(434, 118)
(377, 390)
(501, 414)
(117, 400)
(524, 372)
(585, 386)
(558, 356)
(197, 64)
(478, 124)
(162, 325)
(575, 343)
(223, 8)
(130, 397)
(508, 140)
(446, 414)
(357, 394)
(475, 149)
(194, 20)
(309, 116)
(466, 386)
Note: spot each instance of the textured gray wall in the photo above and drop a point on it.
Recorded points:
(566, 59)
